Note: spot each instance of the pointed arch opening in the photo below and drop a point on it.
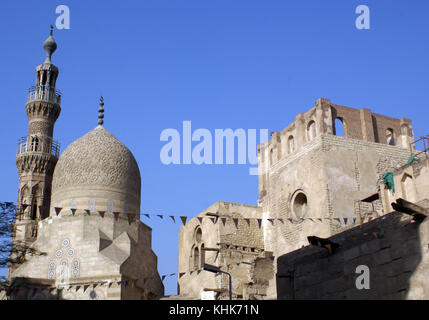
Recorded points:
(291, 144)
(339, 127)
(311, 130)
(390, 136)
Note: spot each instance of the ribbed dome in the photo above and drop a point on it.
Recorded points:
(96, 165)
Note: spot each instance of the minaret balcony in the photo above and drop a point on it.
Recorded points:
(45, 145)
(44, 93)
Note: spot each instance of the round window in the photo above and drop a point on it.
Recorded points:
(299, 204)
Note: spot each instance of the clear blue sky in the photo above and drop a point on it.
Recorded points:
(221, 64)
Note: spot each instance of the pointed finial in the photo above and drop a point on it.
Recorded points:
(50, 46)
(101, 111)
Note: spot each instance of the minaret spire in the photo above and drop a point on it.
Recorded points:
(50, 46)
(101, 112)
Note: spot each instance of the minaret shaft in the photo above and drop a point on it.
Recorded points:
(37, 152)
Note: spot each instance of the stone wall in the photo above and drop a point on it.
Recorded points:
(231, 247)
(333, 173)
(80, 252)
(393, 248)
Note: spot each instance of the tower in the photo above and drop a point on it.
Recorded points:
(38, 153)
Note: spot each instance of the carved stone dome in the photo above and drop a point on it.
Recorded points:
(94, 170)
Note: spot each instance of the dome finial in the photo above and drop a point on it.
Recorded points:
(101, 111)
(50, 46)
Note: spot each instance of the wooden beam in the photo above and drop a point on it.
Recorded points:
(419, 213)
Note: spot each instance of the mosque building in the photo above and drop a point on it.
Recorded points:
(78, 212)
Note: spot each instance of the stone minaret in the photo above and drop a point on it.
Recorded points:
(37, 152)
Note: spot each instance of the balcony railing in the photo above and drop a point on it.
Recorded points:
(45, 93)
(38, 144)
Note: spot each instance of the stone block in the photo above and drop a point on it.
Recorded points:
(351, 253)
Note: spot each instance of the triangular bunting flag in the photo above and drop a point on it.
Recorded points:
(101, 213)
(58, 210)
(73, 211)
(183, 218)
(200, 219)
(181, 274)
(345, 221)
(87, 212)
(172, 218)
(235, 222)
(163, 277)
(147, 215)
(171, 274)
(116, 214)
(281, 220)
(126, 283)
(259, 223)
(290, 220)
(199, 271)
(160, 215)
(223, 221)
(191, 272)
(320, 219)
(85, 287)
(354, 220)
(271, 220)
(24, 206)
(77, 288)
(131, 217)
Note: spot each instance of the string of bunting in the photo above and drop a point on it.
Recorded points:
(214, 220)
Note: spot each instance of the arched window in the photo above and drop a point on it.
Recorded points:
(198, 234)
(279, 147)
(34, 143)
(339, 127)
(203, 255)
(291, 144)
(407, 185)
(390, 137)
(311, 130)
(196, 258)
